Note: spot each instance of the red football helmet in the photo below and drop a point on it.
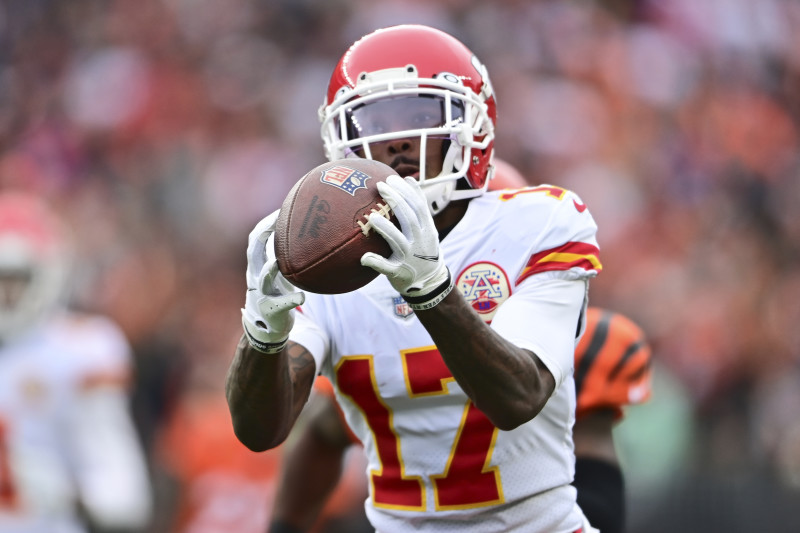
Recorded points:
(33, 262)
(433, 87)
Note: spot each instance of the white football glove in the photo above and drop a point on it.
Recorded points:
(268, 313)
(416, 268)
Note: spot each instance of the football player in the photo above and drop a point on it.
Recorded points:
(70, 457)
(612, 370)
(454, 367)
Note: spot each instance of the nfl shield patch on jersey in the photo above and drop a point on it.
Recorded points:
(401, 308)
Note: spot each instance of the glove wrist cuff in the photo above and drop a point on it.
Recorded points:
(262, 346)
(430, 300)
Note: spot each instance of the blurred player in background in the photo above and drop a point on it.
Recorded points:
(213, 483)
(70, 456)
(612, 370)
(465, 425)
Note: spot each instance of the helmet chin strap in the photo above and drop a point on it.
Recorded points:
(440, 192)
(438, 195)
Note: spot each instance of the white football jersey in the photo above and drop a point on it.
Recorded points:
(522, 258)
(65, 433)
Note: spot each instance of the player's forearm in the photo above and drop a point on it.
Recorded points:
(510, 385)
(266, 393)
(311, 470)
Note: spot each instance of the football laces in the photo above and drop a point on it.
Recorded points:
(382, 209)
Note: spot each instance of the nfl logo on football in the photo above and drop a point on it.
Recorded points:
(401, 308)
(345, 178)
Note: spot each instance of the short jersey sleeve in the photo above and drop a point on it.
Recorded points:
(552, 237)
(566, 246)
(543, 317)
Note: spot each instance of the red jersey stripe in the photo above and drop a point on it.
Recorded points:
(564, 257)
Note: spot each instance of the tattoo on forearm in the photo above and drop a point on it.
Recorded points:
(301, 362)
(301, 365)
(280, 379)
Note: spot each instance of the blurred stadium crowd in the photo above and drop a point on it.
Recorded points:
(164, 129)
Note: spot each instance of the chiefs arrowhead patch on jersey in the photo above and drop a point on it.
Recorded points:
(485, 286)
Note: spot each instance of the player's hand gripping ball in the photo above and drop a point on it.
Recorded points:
(322, 229)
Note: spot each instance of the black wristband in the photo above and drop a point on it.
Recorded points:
(421, 303)
(269, 348)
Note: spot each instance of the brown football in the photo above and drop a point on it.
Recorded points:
(319, 235)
